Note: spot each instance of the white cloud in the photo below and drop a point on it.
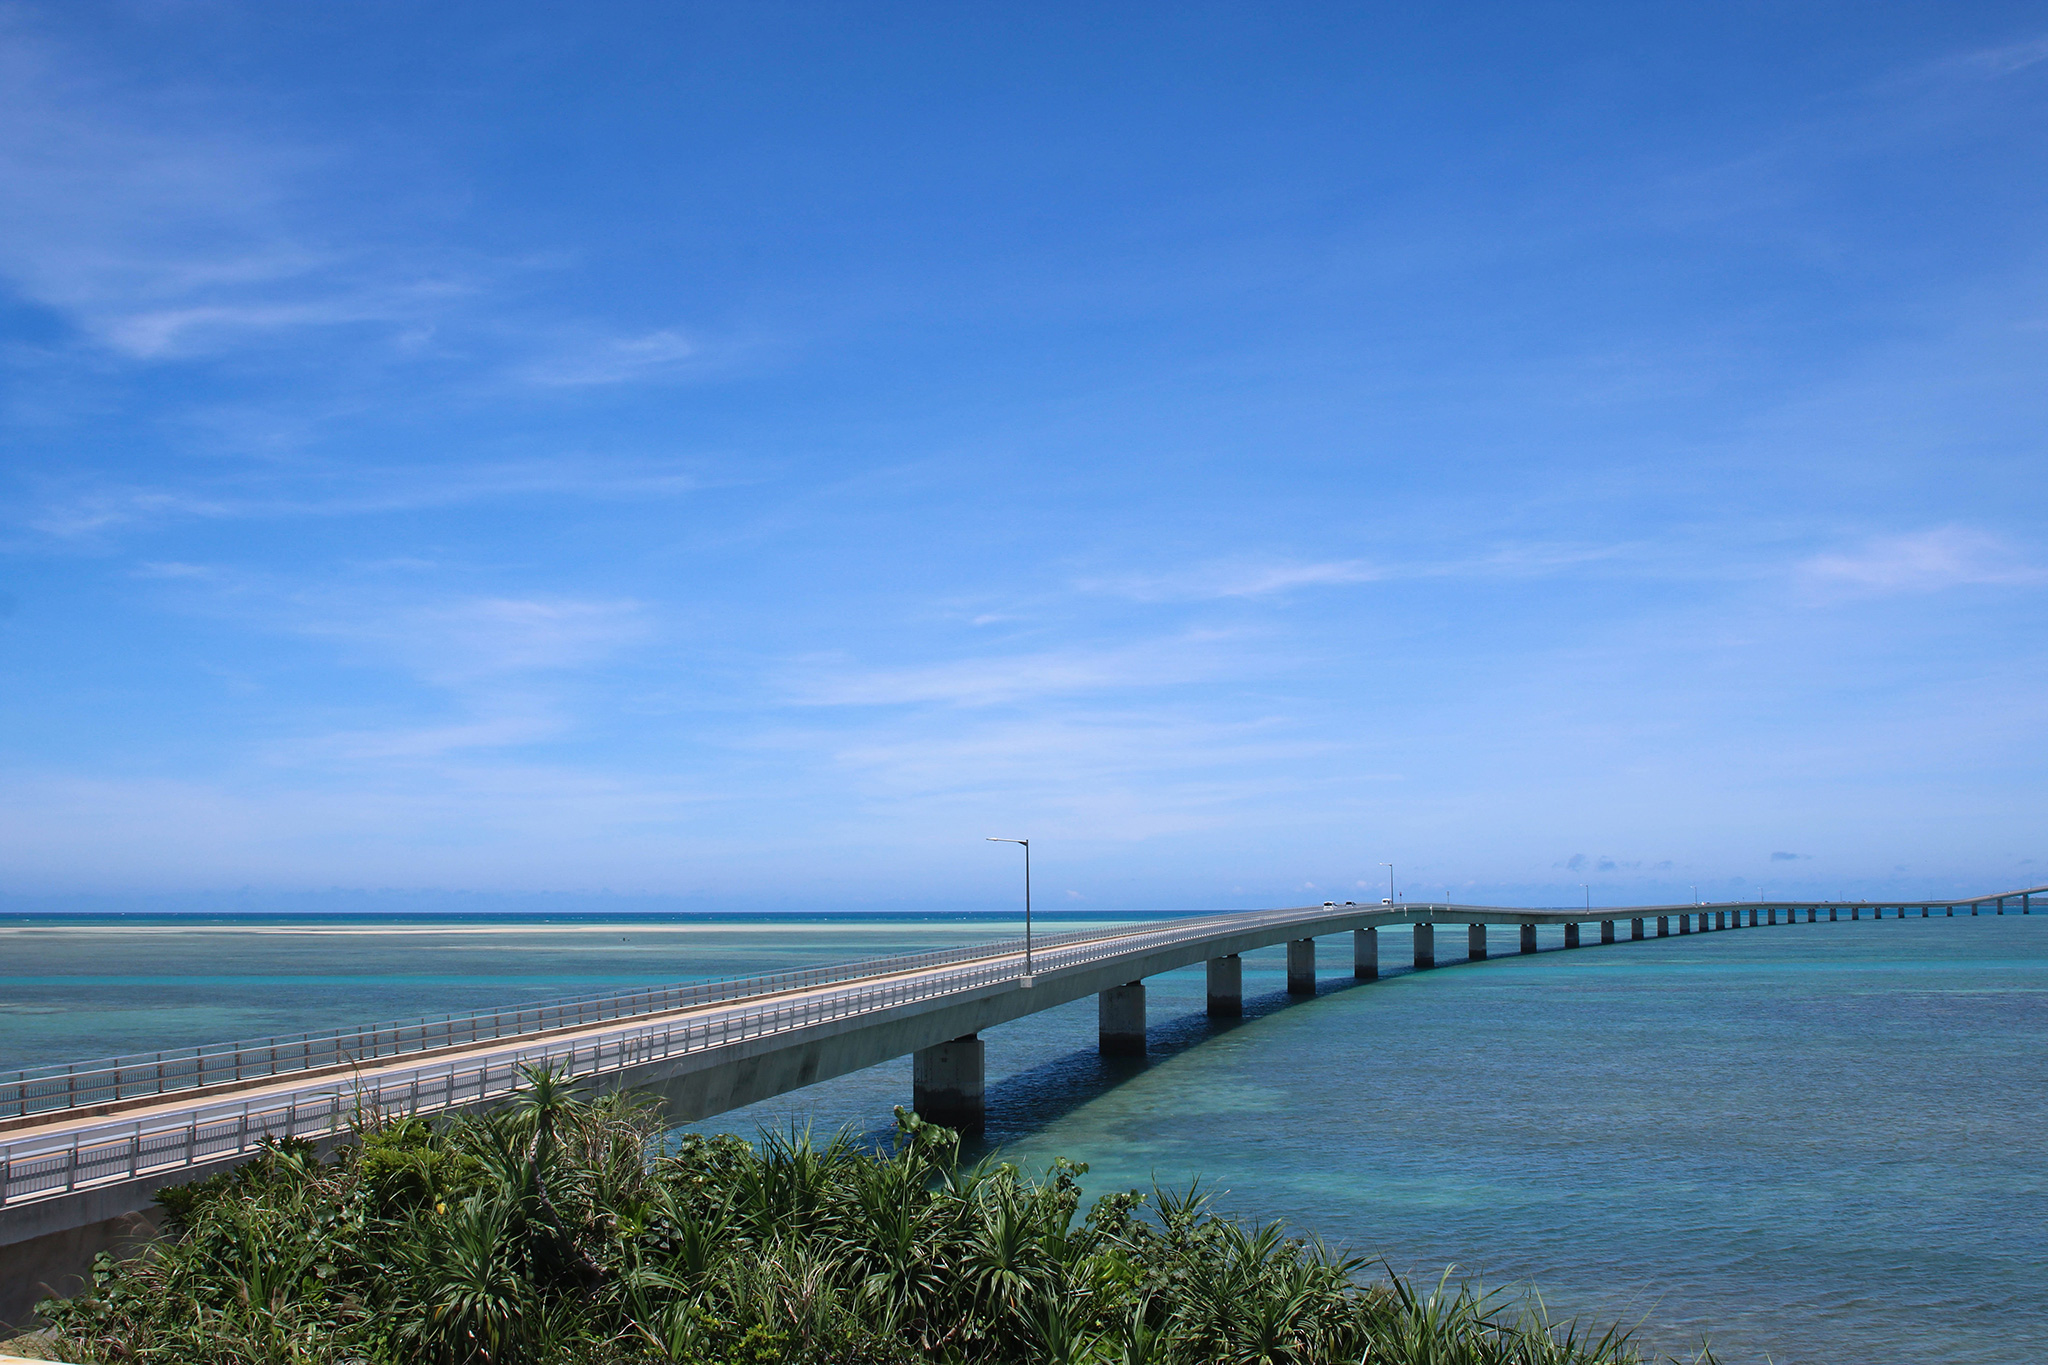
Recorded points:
(1229, 579)
(156, 234)
(1921, 561)
(1218, 581)
(462, 641)
(615, 360)
(73, 513)
(989, 681)
(2003, 60)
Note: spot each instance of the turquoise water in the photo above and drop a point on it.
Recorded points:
(1820, 1143)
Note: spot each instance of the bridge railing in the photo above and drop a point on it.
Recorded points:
(50, 1089)
(32, 1168)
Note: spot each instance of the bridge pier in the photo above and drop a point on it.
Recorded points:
(1301, 966)
(1721, 919)
(1663, 926)
(1924, 909)
(1120, 1020)
(1226, 987)
(1607, 931)
(1834, 912)
(1528, 938)
(1685, 923)
(1855, 913)
(1475, 943)
(1635, 928)
(1571, 935)
(1425, 946)
(947, 1082)
(1365, 954)
(2001, 905)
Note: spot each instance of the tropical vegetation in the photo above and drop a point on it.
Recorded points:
(563, 1231)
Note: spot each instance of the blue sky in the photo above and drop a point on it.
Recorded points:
(740, 456)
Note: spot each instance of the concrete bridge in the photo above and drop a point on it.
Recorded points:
(84, 1148)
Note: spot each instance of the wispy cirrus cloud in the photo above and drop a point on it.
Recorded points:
(159, 234)
(464, 640)
(2001, 60)
(1234, 579)
(1919, 562)
(613, 360)
(71, 511)
(449, 639)
(505, 664)
(1252, 578)
(163, 229)
(990, 681)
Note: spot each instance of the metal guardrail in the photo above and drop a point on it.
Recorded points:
(107, 1153)
(81, 1085)
(39, 1168)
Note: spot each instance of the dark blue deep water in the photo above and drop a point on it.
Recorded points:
(1815, 1143)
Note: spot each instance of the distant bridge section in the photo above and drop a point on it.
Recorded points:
(84, 1146)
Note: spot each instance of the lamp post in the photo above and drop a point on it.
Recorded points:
(1589, 896)
(1027, 902)
(1390, 882)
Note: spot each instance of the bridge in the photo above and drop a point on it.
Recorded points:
(84, 1148)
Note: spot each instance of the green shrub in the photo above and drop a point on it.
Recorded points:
(543, 1235)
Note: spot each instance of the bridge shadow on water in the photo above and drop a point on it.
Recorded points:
(1022, 1103)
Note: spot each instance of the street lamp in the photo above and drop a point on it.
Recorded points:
(1589, 896)
(1390, 882)
(1026, 981)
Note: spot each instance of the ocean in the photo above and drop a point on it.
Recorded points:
(1808, 1143)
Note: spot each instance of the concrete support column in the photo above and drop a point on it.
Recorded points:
(1571, 936)
(1855, 912)
(1365, 954)
(1720, 919)
(1685, 923)
(1635, 928)
(1924, 911)
(1973, 907)
(1663, 926)
(1951, 913)
(1773, 918)
(2001, 905)
(1301, 966)
(1120, 1020)
(1226, 987)
(946, 1082)
(1475, 943)
(2026, 902)
(1425, 946)
(1607, 931)
(1834, 912)
(1528, 938)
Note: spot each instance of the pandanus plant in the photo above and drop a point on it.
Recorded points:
(564, 1230)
